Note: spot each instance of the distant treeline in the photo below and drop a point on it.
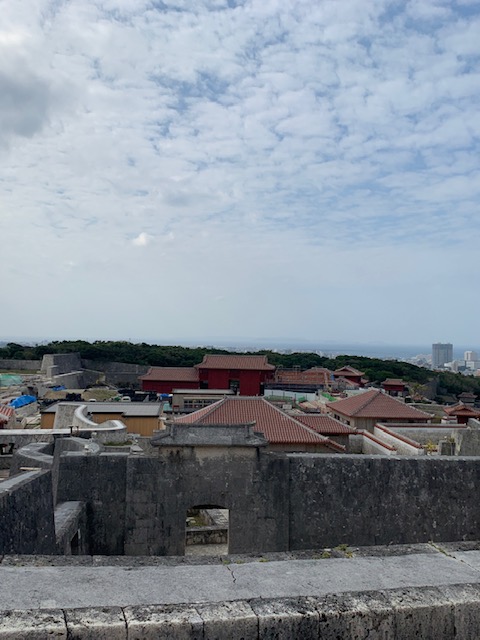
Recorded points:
(375, 370)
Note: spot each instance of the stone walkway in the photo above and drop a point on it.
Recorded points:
(28, 583)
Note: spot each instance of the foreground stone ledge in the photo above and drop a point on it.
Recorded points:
(228, 620)
(168, 622)
(286, 618)
(34, 624)
(106, 623)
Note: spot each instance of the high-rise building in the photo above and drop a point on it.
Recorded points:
(470, 355)
(442, 352)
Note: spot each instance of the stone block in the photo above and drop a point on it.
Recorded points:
(34, 625)
(227, 620)
(286, 618)
(359, 616)
(169, 622)
(421, 612)
(465, 599)
(96, 623)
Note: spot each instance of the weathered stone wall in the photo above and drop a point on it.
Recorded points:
(374, 500)
(20, 365)
(160, 491)
(26, 514)
(118, 373)
(55, 364)
(100, 482)
(137, 504)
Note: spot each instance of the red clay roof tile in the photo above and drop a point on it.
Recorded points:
(251, 363)
(376, 404)
(277, 426)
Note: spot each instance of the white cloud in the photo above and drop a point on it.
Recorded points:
(142, 240)
(256, 146)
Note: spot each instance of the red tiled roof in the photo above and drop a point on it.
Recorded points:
(251, 363)
(316, 375)
(6, 412)
(325, 425)
(277, 426)
(345, 371)
(376, 404)
(461, 409)
(396, 381)
(171, 374)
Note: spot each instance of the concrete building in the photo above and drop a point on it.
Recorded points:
(441, 354)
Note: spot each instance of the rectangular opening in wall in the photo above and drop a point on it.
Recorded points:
(206, 531)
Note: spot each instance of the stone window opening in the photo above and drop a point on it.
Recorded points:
(207, 530)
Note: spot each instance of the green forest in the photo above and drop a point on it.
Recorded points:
(375, 370)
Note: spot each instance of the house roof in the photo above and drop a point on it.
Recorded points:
(277, 426)
(6, 412)
(250, 363)
(326, 425)
(379, 405)
(396, 381)
(315, 375)
(347, 370)
(171, 374)
(461, 409)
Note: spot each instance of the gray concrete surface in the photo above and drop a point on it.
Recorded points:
(47, 587)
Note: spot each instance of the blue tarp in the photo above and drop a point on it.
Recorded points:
(60, 388)
(21, 401)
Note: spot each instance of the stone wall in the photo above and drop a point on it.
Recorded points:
(137, 504)
(160, 490)
(26, 514)
(100, 482)
(20, 365)
(375, 500)
(55, 364)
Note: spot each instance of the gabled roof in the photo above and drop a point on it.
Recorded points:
(325, 425)
(396, 381)
(277, 426)
(461, 409)
(171, 374)
(250, 363)
(315, 375)
(379, 405)
(347, 370)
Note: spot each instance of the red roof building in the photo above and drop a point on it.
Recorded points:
(244, 374)
(7, 417)
(351, 374)
(283, 432)
(364, 410)
(462, 412)
(165, 379)
(394, 386)
(327, 426)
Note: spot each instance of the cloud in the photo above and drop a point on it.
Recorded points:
(251, 142)
(142, 240)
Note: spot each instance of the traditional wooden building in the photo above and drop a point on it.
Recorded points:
(351, 374)
(282, 431)
(364, 410)
(243, 374)
(394, 387)
(462, 412)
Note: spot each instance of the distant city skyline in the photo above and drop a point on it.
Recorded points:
(240, 167)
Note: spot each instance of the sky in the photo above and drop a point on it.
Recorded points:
(182, 169)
